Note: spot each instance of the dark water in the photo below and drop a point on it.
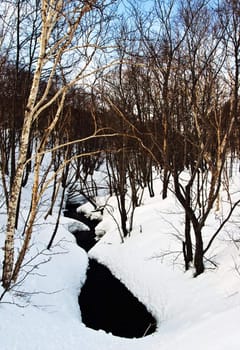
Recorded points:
(104, 301)
(107, 304)
(85, 239)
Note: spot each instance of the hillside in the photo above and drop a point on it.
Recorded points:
(42, 312)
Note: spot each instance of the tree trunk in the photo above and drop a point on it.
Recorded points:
(17, 181)
(188, 253)
(123, 213)
(150, 182)
(166, 176)
(198, 257)
(13, 204)
(58, 219)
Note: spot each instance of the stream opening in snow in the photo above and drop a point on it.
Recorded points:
(105, 302)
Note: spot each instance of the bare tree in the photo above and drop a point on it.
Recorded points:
(70, 36)
(192, 119)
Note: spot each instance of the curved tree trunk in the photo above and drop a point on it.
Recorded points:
(13, 204)
(17, 181)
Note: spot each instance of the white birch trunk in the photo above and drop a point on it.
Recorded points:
(51, 13)
(8, 263)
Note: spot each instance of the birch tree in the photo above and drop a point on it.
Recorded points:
(71, 34)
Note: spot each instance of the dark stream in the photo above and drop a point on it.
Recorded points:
(105, 302)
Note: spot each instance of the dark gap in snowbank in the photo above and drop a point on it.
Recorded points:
(71, 212)
(104, 301)
(107, 304)
(85, 239)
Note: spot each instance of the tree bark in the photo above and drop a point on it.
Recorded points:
(198, 257)
(13, 204)
(8, 262)
(188, 253)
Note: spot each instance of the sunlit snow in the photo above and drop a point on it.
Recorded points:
(42, 313)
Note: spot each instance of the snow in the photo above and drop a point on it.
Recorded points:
(42, 311)
(76, 226)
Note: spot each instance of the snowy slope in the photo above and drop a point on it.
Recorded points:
(200, 313)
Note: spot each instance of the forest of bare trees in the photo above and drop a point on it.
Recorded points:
(141, 88)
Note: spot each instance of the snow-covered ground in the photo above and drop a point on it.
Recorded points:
(201, 313)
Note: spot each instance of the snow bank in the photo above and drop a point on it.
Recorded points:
(199, 313)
